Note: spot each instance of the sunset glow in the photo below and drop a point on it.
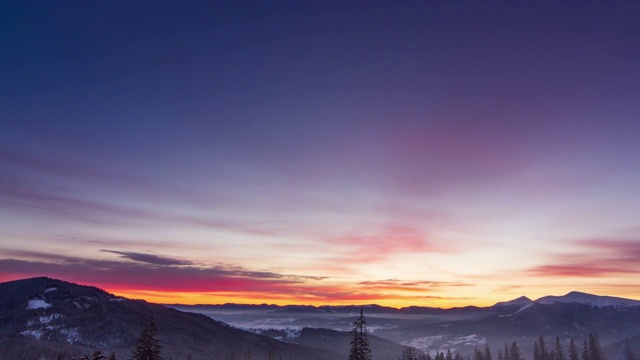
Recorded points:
(323, 153)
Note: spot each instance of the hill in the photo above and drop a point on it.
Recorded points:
(41, 317)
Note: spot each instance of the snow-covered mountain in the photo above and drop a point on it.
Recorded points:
(588, 299)
(521, 301)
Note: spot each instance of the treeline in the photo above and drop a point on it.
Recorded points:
(591, 350)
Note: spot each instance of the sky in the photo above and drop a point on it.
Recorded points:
(402, 153)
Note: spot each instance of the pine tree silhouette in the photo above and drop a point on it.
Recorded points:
(359, 341)
(148, 347)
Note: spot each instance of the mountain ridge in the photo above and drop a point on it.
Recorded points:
(570, 297)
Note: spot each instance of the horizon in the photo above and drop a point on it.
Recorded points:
(363, 305)
(397, 153)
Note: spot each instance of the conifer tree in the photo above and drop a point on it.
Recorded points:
(514, 352)
(506, 352)
(408, 354)
(148, 347)
(543, 353)
(558, 351)
(628, 354)
(585, 351)
(487, 353)
(595, 351)
(112, 356)
(573, 351)
(449, 355)
(359, 341)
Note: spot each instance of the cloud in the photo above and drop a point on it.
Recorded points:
(371, 248)
(395, 285)
(149, 258)
(595, 258)
(162, 276)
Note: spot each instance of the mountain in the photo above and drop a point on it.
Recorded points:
(589, 299)
(572, 316)
(41, 317)
(521, 301)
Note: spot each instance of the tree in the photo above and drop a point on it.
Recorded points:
(449, 355)
(97, 355)
(514, 352)
(112, 356)
(487, 352)
(148, 347)
(585, 351)
(359, 341)
(573, 351)
(558, 351)
(408, 353)
(628, 354)
(595, 351)
(542, 352)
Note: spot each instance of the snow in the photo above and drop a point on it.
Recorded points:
(422, 343)
(374, 328)
(444, 342)
(51, 289)
(290, 335)
(73, 336)
(38, 304)
(47, 319)
(523, 300)
(588, 299)
(43, 320)
(525, 307)
(35, 333)
(266, 324)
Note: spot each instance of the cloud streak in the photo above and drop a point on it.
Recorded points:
(149, 258)
(596, 258)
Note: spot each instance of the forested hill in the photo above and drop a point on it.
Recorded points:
(41, 317)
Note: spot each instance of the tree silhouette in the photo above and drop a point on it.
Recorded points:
(628, 354)
(408, 354)
(359, 341)
(148, 347)
(97, 355)
(573, 351)
(514, 352)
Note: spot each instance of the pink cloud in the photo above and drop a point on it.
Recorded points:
(371, 248)
(602, 258)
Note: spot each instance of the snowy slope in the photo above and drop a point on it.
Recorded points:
(588, 299)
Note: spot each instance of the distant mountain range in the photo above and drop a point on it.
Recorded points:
(42, 317)
(572, 316)
(572, 297)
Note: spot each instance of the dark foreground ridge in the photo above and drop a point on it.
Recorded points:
(42, 317)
